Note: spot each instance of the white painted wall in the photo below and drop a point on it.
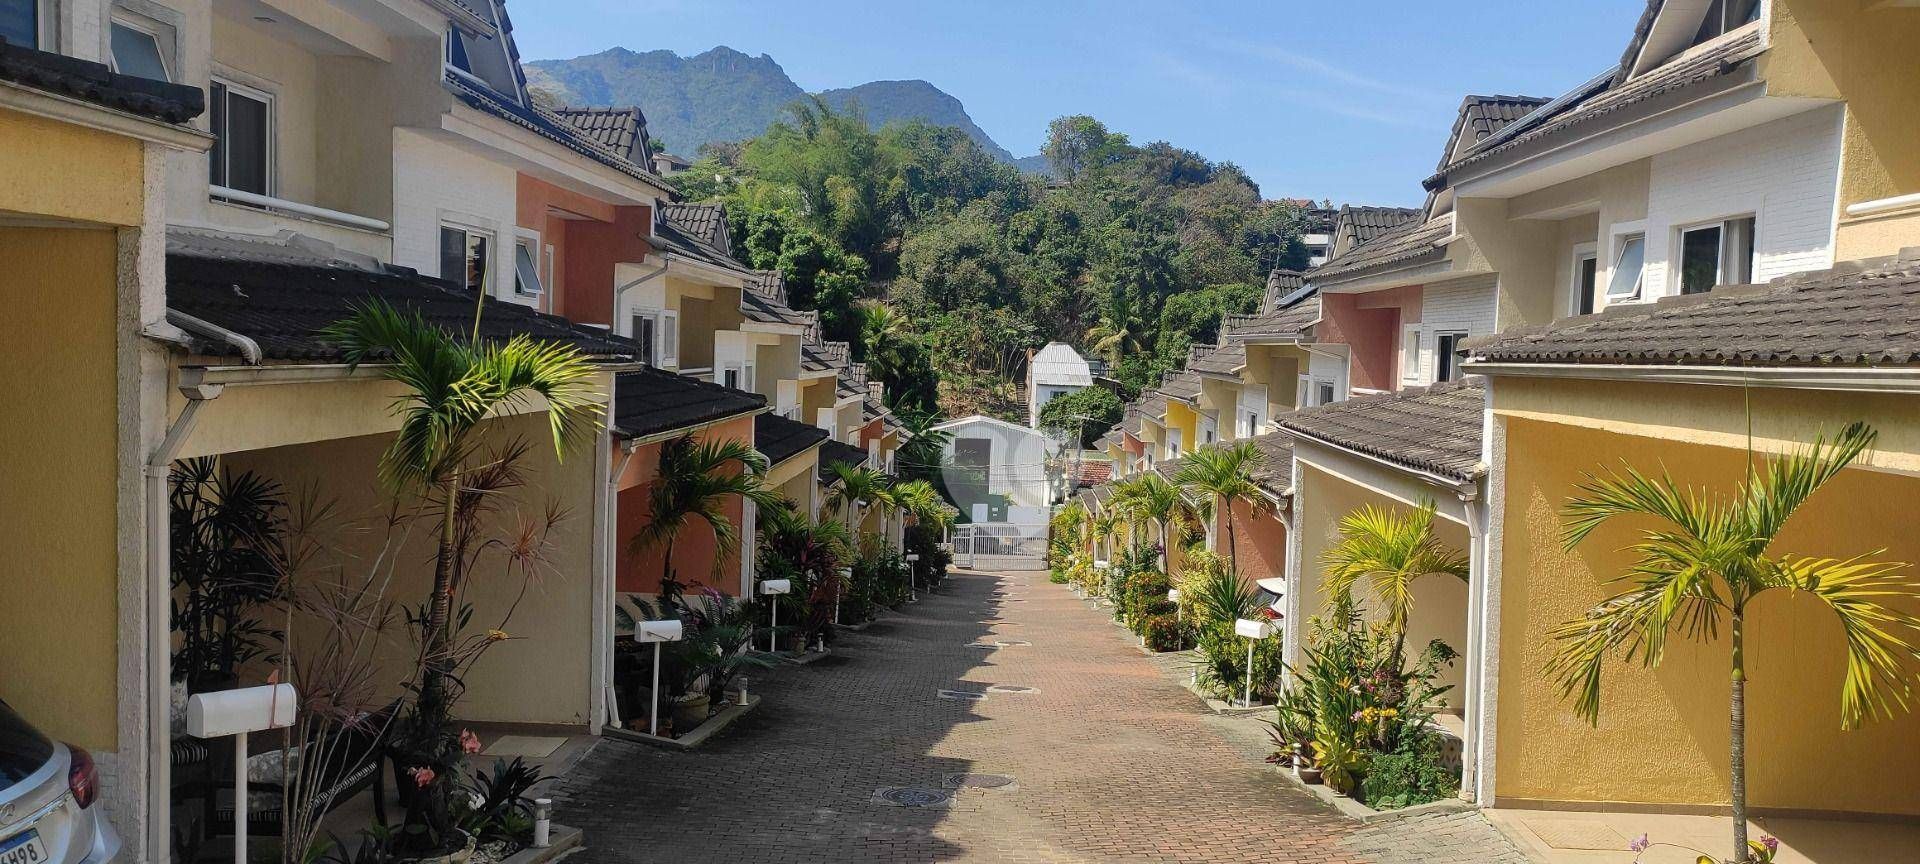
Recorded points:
(1039, 396)
(1461, 305)
(1785, 173)
(1325, 367)
(433, 183)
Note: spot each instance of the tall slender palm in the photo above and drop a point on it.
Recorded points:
(1100, 529)
(451, 388)
(1709, 562)
(1151, 498)
(922, 452)
(696, 481)
(1224, 474)
(1121, 330)
(1390, 550)
(858, 485)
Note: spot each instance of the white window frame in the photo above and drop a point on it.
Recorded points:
(1583, 252)
(734, 371)
(1618, 240)
(749, 377)
(1174, 441)
(1410, 354)
(1332, 391)
(1438, 361)
(258, 92)
(153, 20)
(524, 238)
(489, 280)
(1721, 275)
(667, 331)
(551, 289)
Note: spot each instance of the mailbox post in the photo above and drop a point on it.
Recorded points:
(657, 632)
(774, 588)
(913, 576)
(1254, 630)
(236, 713)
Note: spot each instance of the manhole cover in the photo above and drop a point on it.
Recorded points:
(1007, 643)
(908, 796)
(1011, 688)
(964, 695)
(979, 781)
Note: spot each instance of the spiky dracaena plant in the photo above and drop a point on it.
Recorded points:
(1224, 474)
(1704, 567)
(696, 482)
(1390, 549)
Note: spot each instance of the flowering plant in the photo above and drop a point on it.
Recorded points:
(1761, 851)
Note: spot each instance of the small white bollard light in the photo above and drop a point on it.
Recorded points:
(773, 588)
(1254, 630)
(543, 822)
(913, 576)
(657, 632)
(236, 713)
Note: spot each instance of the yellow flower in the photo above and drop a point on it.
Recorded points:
(497, 636)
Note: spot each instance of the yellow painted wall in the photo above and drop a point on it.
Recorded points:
(58, 578)
(544, 675)
(1180, 417)
(1439, 602)
(1662, 738)
(62, 171)
(1836, 48)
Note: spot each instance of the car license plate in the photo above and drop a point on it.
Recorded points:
(23, 848)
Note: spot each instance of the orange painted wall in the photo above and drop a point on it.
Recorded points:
(694, 551)
(588, 237)
(1369, 325)
(1259, 541)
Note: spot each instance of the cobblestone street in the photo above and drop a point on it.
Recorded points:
(1110, 761)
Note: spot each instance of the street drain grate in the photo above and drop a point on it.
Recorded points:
(1008, 643)
(908, 796)
(999, 782)
(1011, 688)
(961, 695)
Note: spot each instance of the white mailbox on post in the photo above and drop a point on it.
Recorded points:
(236, 713)
(773, 588)
(1254, 630)
(657, 632)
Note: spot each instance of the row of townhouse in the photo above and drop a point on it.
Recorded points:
(1714, 242)
(196, 187)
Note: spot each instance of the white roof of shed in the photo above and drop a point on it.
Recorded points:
(1058, 363)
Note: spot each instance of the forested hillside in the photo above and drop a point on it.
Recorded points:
(944, 265)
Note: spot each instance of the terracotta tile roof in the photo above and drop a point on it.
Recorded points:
(621, 130)
(779, 438)
(1434, 429)
(99, 84)
(1095, 472)
(1408, 244)
(282, 300)
(1860, 314)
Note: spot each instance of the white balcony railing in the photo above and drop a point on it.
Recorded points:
(298, 209)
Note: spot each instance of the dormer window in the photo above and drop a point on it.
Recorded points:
(1725, 15)
(457, 52)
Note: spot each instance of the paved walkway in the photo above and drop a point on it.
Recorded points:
(1111, 761)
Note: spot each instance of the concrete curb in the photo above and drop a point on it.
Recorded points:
(561, 840)
(714, 725)
(1353, 809)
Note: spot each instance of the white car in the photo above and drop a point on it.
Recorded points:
(50, 811)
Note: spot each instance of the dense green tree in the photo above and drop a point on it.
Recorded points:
(1098, 404)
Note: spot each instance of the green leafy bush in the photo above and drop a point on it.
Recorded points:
(1163, 631)
(1409, 776)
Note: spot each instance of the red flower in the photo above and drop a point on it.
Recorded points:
(1270, 614)
(422, 776)
(469, 742)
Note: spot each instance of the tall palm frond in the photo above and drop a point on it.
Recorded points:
(1221, 475)
(1389, 550)
(696, 481)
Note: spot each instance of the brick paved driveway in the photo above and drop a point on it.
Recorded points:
(1112, 762)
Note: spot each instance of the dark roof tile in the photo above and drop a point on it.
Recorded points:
(621, 130)
(651, 401)
(779, 438)
(1410, 243)
(99, 84)
(1434, 429)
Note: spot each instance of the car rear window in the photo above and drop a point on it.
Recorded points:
(22, 748)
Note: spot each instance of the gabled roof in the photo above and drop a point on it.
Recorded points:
(620, 130)
(705, 223)
(1359, 224)
(1594, 101)
(1859, 314)
(1183, 386)
(766, 310)
(99, 84)
(839, 453)
(1280, 284)
(544, 123)
(1290, 323)
(1481, 117)
(1434, 429)
(779, 438)
(1217, 359)
(1411, 243)
(1275, 474)
(652, 401)
(280, 294)
(1059, 364)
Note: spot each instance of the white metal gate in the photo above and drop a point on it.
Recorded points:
(1000, 546)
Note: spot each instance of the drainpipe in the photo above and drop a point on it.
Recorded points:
(604, 598)
(1476, 508)
(159, 620)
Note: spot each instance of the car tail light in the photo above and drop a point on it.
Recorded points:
(82, 780)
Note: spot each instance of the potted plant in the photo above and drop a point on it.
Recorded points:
(226, 532)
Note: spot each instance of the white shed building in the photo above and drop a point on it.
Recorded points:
(1055, 371)
(1000, 472)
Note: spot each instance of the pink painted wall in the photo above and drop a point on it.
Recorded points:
(1259, 541)
(1369, 325)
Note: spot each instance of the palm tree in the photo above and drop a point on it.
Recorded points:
(451, 388)
(922, 453)
(1709, 562)
(1390, 550)
(1224, 474)
(1101, 529)
(695, 481)
(1121, 330)
(857, 485)
(1151, 498)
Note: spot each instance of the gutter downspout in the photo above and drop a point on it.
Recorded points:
(159, 598)
(603, 599)
(1476, 507)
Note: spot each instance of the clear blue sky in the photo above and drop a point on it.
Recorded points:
(1350, 101)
